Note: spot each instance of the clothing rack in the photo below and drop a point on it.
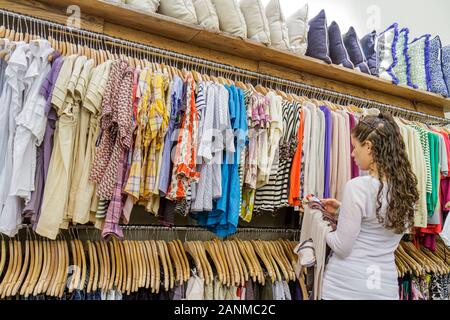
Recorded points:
(242, 231)
(191, 61)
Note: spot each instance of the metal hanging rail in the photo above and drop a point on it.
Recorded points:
(260, 77)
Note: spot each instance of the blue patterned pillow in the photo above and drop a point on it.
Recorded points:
(446, 65)
(387, 44)
(437, 77)
(402, 69)
(369, 46)
(355, 51)
(318, 38)
(419, 53)
(338, 52)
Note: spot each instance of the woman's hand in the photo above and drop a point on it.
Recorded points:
(331, 205)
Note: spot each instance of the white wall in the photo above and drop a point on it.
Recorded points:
(421, 17)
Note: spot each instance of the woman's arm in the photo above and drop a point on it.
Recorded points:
(342, 240)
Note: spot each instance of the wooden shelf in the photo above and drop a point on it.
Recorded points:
(167, 27)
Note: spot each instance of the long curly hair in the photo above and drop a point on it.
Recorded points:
(394, 169)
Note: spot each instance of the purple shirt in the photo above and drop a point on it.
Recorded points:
(45, 149)
(166, 164)
(354, 166)
(328, 132)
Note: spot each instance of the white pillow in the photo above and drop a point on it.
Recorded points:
(256, 20)
(180, 9)
(279, 35)
(206, 15)
(298, 30)
(144, 5)
(231, 19)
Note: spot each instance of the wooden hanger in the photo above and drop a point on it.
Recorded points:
(190, 248)
(27, 280)
(216, 263)
(225, 263)
(207, 263)
(58, 274)
(126, 285)
(177, 261)
(272, 259)
(169, 265)
(13, 255)
(44, 270)
(140, 264)
(148, 268)
(143, 256)
(247, 246)
(146, 265)
(91, 267)
(247, 261)
(25, 267)
(162, 256)
(101, 266)
(183, 261)
(241, 262)
(134, 266)
(51, 267)
(206, 273)
(118, 263)
(124, 275)
(259, 248)
(157, 264)
(34, 272)
(235, 272)
(113, 265)
(151, 265)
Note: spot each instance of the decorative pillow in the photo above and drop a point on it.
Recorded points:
(419, 53)
(446, 65)
(369, 46)
(387, 44)
(279, 36)
(206, 15)
(318, 38)
(180, 9)
(438, 84)
(402, 69)
(338, 52)
(231, 19)
(144, 5)
(256, 20)
(297, 25)
(355, 51)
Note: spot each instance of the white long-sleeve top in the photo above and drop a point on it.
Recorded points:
(362, 266)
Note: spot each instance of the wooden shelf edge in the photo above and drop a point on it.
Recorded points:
(245, 48)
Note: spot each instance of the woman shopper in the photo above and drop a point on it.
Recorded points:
(375, 212)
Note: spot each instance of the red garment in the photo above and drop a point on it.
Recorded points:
(294, 188)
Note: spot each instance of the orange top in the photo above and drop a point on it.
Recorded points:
(294, 188)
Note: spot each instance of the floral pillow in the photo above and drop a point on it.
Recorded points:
(402, 69)
(419, 53)
(446, 65)
(387, 44)
(438, 84)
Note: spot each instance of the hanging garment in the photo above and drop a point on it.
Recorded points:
(184, 168)
(12, 99)
(274, 195)
(33, 208)
(85, 191)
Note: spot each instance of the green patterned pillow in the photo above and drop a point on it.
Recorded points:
(403, 68)
(419, 53)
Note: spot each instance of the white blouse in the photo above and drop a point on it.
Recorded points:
(362, 266)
